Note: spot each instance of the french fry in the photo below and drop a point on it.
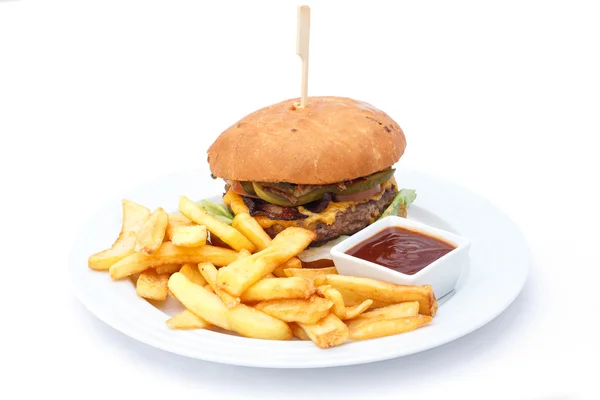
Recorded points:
(243, 253)
(394, 311)
(400, 310)
(209, 288)
(152, 234)
(170, 254)
(187, 320)
(189, 236)
(241, 274)
(199, 301)
(310, 273)
(353, 299)
(209, 272)
(375, 328)
(176, 221)
(308, 311)
(167, 268)
(248, 226)
(355, 290)
(292, 263)
(339, 308)
(298, 332)
(328, 332)
(253, 323)
(133, 219)
(226, 233)
(193, 274)
(152, 286)
(279, 288)
(235, 202)
(355, 311)
(328, 292)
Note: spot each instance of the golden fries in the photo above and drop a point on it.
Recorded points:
(193, 274)
(199, 301)
(359, 289)
(292, 263)
(134, 217)
(242, 319)
(176, 221)
(209, 288)
(298, 332)
(189, 236)
(187, 320)
(241, 274)
(209, 272)
(226, 233)
(253, 323)
(279, 288)
(375, 328)
(407, 309)
(261, 290)
(328, 332)
(152, 286)
(235, 202)
(308, 311)
(167, 268)
(248, 226)
(170, 254)
(243, 254)
(401, 310)
(310, 273)
(355, 311)
(339, 308)
(152, 233)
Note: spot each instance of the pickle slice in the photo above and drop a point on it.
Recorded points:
(248, 187)
(280, 200)
(367, 182)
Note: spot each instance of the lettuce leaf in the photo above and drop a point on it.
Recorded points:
(400, 204)
(219, 211)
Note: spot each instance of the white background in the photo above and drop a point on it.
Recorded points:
(97, 96)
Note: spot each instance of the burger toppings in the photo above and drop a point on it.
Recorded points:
(291, 195)
(258, 206)
(273, 211)
(319, 205)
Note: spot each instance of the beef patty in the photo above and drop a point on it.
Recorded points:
(347, 222)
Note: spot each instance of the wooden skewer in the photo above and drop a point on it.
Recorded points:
(302, 39)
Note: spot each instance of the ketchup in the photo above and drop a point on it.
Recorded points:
(400, 249)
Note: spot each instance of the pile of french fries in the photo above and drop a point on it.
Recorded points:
(254, 286)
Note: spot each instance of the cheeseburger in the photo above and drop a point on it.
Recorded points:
(326, 167)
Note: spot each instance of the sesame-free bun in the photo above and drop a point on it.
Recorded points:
(331, 139)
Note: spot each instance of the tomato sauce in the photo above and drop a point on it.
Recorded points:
(401, 249)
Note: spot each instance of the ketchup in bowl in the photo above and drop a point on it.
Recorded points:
(401, 249)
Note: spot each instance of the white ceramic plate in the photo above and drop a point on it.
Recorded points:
(499, 263)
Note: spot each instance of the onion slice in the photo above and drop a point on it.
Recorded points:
(358, 196)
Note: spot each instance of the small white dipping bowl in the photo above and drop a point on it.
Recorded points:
(442, 274)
